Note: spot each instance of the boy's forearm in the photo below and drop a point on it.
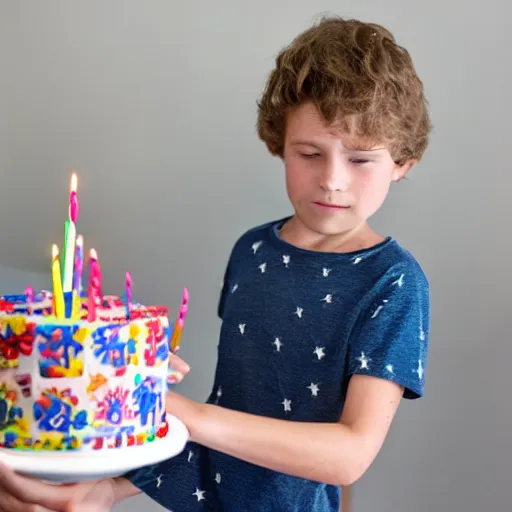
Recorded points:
(325, 452)
(124, 489)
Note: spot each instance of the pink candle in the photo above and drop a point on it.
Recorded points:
(128, 294)
(94, 291)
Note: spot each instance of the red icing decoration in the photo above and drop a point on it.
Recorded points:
(12, 346)
(162, 431)
(98, 443)
(131, 440)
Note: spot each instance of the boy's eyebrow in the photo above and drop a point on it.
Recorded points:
(352, 149)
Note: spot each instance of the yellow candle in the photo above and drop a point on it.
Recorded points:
(57, 284)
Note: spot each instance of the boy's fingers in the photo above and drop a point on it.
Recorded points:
(29, 490)
(178, 365)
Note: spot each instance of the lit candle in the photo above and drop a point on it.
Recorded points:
(70, 236)
(58, 295)
(128, 294)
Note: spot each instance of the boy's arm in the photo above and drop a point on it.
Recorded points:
(124, 489)
(334, 453)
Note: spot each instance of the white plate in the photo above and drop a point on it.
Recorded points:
(69, 467)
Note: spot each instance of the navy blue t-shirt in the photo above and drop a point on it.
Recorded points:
(296, 324)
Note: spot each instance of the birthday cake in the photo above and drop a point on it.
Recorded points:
(90, 371)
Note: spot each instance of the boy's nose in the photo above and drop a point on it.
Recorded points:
(335, 177)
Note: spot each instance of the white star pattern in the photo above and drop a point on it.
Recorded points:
(420, 370)
(241, 328)
(159, 481)
(326, 272)
(234, 288)
(218, 478)
(399, 282)
(379, 309)
(389, 368)
(263, 267)
(364, 361)
(314, 389)
(278, 344)
(357, 260)
(319, 352)
(286, 260)
(190, 455)
(299, 312)
(328, 298)
(219, 392)
(199, 494)
(255, 246)
(287, 404)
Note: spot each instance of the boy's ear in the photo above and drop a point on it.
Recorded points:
(401, 170)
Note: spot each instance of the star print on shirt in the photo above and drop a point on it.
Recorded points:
(319, 352)
(420, 370)
(328, 298)
(299, 312)
(278, 344)
(379, 309)
(218, 478)
(199, 494)
(241, 328)
(263, 267)
(234, 288)
(287, 404)
(399, 282)
(286, 260)
(326, 272)
(314, 389)
(364, 361)
(159, 481)
(255, 246)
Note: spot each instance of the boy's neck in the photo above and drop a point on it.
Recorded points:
(294, 232)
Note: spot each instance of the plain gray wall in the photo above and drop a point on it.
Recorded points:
(154, 104)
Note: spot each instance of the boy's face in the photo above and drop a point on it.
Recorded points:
(333, 187)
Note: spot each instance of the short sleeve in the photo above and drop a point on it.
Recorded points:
(391, 338)
(223, 293)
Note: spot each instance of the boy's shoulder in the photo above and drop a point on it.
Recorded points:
(254, 237)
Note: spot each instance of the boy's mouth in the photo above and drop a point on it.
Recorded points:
(331, 206)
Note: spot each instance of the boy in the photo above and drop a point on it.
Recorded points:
(324, 322)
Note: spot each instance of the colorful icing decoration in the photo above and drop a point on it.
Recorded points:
(90, 369)
(56, 410)
(61, 350)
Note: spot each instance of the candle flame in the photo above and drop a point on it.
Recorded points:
(74, 182)
(93, 254)
(55, 251)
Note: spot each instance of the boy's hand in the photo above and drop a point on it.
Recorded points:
(178, 369)
(22, 494)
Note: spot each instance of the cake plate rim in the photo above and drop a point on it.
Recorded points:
(77, 466)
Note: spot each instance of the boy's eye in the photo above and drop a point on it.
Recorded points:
(359, 161)
(310, 155)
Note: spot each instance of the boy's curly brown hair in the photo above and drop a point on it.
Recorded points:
(358, 77)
